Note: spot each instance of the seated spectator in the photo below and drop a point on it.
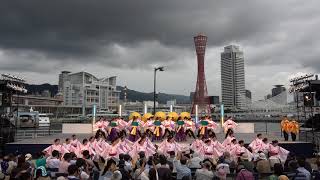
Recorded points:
(40, 160)
(73, 158)
(110, 171)
(195, 161)
(73, 172)
(277, 171)
(246, 163)
(83, 167)
(28, 159)
(205, 172)
(302, 169)
(140, 173)
(63, 168)
(263, 165)
(12, 163)
(127, 163)
(163, 171)
(317, 171)
(243, 173)
(53, 161)
(172, 157)
(307, 165)
(291, 157)
(41, 174)
(222, 170)
(181, 165)
(283, 177)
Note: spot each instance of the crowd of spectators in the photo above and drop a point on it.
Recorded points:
(178, 165)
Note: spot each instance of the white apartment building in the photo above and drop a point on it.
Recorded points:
(84, 89)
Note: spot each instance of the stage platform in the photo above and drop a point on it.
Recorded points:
(38, 144)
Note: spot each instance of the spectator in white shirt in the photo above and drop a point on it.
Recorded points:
(195, 161)
(205, 172)
(53, 161)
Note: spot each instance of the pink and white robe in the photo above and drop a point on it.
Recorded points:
(229, 124)
(58, 147)
(278, 152)
(256, 145)
(165, 147)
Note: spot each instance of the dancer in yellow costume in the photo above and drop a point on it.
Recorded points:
(285, 128)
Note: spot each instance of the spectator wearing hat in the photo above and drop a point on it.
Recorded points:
(28, 159)
(205, 172)
(243, 173)
(244, 160)
(263, 165)
(222, 171)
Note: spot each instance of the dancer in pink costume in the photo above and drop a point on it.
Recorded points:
(229, 137)
(278, 152)
(208, 151)
(197, 144)
(229, 124)
(256, 145)
(69, 146)
(239, 149)
(168, 146)
(113, 150)
(168, 126)
(142, 145)
(56, 146)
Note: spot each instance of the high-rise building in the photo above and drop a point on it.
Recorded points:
(279, 94)
(201, 98)
(233, 78)
(84, 89)
(248, 96)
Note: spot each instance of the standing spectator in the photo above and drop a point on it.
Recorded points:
(181, 165)
(277, 171)
(163, 171)
(205, 172)
(263, 165)
(63, 168)
(53, 161)
(73, 172)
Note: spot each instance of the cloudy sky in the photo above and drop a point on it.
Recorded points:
(40, 38)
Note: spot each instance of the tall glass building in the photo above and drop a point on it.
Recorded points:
(233, 78)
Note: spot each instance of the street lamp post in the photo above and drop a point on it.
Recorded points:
(154, 86)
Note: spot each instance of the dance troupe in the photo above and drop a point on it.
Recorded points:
(139, 134)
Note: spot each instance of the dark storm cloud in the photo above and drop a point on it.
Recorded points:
(43, 37)
(75, 28)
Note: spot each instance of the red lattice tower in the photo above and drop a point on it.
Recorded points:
(200, 97)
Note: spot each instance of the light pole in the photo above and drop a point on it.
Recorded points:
(161, 68)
